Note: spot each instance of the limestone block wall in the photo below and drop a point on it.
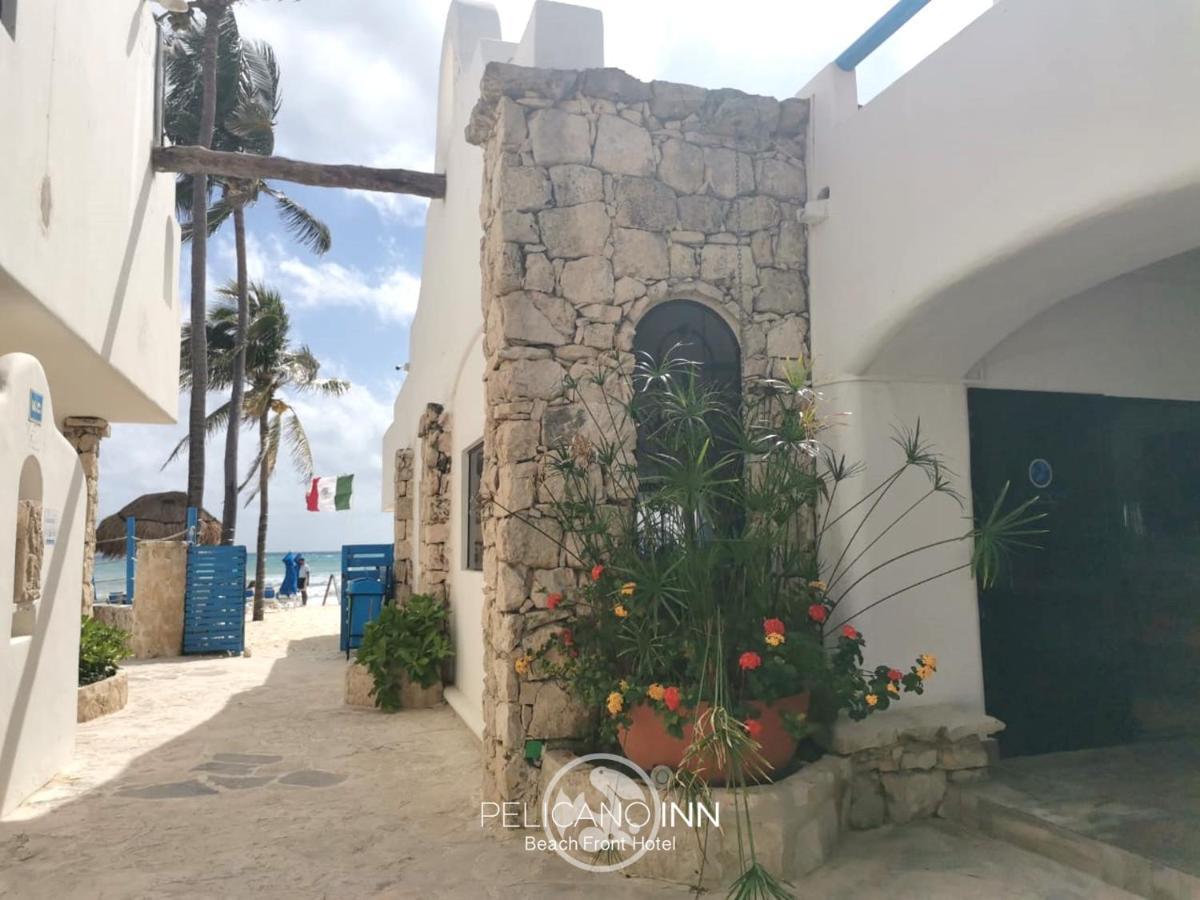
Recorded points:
(604, 196)
(402, 560)
(434, 497)
(158, 601)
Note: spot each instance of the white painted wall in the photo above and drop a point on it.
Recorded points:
(1048, 147)
(1133, 336)
(38, 671)
(446, 363)
(985, 213)
(88, 240)
(466, 585)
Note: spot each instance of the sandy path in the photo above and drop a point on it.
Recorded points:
(248, 777)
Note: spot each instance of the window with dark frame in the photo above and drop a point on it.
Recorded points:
(474, 537)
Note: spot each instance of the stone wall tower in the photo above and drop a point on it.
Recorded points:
(604, 197)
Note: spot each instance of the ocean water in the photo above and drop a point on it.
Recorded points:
(110, 573)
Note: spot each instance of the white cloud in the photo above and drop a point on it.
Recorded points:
(390, 291)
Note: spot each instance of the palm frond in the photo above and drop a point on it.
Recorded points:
(306, 228)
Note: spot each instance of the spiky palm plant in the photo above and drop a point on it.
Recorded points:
(246, 106)
(274, 370)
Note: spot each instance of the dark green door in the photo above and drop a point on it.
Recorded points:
(1093, 639)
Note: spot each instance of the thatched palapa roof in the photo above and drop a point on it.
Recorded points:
(159, 517)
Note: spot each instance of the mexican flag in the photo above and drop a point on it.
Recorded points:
(330, 493)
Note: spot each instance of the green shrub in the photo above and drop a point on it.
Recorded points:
(101, 647)
(405, 641)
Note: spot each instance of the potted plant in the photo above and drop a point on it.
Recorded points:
(709, 619)
(403, 650)
(102, 687)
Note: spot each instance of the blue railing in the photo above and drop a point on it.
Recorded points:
(873, 37)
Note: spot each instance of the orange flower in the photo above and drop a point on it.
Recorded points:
(773, 626)
(615, 703)
(817, 586)
(620, 611)
(521, 664)
(552, 600)
(871, 700)
(749, 660)
(597, 571)
(656, 691)
(628, 588)
(774, 639)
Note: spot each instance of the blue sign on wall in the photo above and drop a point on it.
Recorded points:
(35, 407)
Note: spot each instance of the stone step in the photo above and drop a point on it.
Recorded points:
(1004, 809)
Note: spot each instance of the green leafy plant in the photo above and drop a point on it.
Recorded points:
(699, 510)
(101, 647)
(406, 643)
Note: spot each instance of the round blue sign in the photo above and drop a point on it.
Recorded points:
(1041, 473)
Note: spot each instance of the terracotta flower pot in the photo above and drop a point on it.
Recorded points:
(648, 743)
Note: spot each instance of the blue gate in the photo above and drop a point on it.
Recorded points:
(214, 611)
(366, 587)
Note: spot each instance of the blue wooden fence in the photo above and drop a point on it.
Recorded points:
(366, 586)
(214, 612)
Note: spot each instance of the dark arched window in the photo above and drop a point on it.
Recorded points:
(686, 332)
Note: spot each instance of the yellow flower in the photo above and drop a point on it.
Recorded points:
(656, 691)
(818, 585)
(892, 689)
(871, 699)
(620, 611)
(615, 704)
(628, 588)
(521, 664)
(929, 661)
(623, 685)
(924, 673)
(774, 639)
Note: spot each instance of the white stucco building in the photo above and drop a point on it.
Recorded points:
(90, 323)
(1018, 213)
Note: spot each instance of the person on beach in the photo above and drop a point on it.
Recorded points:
(302, 580)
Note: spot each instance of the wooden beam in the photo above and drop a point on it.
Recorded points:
(197, 160)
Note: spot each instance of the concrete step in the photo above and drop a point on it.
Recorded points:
(1158, 863)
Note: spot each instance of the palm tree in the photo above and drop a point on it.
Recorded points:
(205, 109)
(274, 369)
(248, 102)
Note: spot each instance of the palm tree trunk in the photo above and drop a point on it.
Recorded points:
(229, 509)
(199, 343)
(260, 560)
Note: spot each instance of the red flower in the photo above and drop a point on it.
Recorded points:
(671, 698)
(818, 613)
(567, 638)
(749, 660)
(895, 674)
(552, 600)
(851, 632)
(597, 571)
(754, 728)
(773, 626)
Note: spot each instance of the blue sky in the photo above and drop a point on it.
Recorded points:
(359, 85)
